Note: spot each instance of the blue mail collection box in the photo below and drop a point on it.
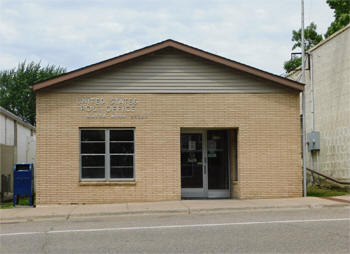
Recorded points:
(23, 181)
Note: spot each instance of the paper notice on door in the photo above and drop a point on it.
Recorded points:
(211, 145)
(191, 145)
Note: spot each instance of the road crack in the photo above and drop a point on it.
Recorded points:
(46, 241)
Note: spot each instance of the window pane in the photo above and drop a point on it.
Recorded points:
(121, 147)
(92, 135)
(122, 172)
(93, 160)
(92, 173)
(121, 135)
(121, 160)
(93, 147)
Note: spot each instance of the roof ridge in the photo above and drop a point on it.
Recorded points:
(162, 45)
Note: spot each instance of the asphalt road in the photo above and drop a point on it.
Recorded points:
(324, 230)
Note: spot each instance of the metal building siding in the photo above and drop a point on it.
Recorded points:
(169, 72)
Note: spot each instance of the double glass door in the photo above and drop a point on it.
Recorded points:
(204, 164)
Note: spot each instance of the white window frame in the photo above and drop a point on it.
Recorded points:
(107, 156)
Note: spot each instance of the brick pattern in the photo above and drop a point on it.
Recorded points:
(269, 163)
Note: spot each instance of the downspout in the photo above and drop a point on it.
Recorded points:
(313, 113)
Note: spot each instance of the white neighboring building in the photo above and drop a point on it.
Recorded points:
(17, 145)
(328, 72)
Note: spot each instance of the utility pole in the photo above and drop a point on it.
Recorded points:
(303, 96)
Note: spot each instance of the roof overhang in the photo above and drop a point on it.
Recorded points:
(162, 45)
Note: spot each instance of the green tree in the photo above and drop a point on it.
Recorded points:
(341, 15)
(15, 93)
(292, 64)
(311, 38)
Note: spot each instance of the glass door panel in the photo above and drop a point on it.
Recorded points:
(191, 160)
(217, 146)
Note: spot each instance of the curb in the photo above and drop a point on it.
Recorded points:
(162, 211)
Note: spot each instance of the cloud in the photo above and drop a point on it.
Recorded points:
(73, 34)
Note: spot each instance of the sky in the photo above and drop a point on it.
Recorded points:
(76, 33)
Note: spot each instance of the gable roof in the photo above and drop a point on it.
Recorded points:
(162, 45)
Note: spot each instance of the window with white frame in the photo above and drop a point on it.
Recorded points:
(107, 154)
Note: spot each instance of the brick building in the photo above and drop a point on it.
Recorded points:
(327, 93)
(166, 122)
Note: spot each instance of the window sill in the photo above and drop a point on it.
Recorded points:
(104, 183)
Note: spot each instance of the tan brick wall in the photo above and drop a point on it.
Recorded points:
(269, 163)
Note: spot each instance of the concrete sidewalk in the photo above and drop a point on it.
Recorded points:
(165, 207)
